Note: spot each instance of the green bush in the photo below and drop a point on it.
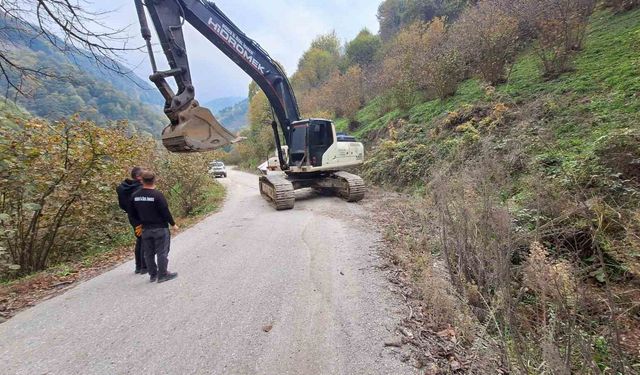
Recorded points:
(186, 181)
(57, 187)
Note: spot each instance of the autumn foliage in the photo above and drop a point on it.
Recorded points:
(421, 59)
(342, 95)
(560, 30)
(426, 48)
(57, 187)
(487, 36)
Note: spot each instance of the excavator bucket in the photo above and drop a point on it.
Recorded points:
(196, 131)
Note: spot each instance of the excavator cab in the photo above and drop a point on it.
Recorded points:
(310, 139)
(197, 130)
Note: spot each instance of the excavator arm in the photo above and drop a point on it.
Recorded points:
(193, 128)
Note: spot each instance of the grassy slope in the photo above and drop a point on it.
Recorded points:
(596, 99)
(569, 133)
(562, 131)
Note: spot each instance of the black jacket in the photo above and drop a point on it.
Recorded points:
(125, 191)
(150, 209)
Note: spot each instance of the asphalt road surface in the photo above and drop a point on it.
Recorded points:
(258, 292)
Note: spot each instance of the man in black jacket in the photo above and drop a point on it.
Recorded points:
(125, 191)
(150, 208)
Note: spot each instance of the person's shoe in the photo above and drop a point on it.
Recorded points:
(137, 271)
(167, 277)
(153, 278)
(144, 271)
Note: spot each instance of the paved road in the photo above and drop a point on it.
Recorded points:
(309, 273)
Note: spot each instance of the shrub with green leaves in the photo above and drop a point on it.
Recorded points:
(57, 186)
(185, 179)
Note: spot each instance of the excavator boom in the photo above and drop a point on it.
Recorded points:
(192, 127)
(316, 155)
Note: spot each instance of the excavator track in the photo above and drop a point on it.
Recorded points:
(278, 191)
(352, 189)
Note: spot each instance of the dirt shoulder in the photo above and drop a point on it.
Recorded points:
(426, 335)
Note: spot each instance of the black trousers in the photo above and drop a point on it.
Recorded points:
(140, 263)
(156, 243)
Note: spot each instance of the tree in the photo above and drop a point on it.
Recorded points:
(260, 110)
(560, 27)
(363, 49)
(56, 185)
(80, 29)
(343, 94)
(318, 63)
(422, 58)
(185, 178)
(253, 89)
(328, 42)
(487, 36)
(390, 13)
(394, 15)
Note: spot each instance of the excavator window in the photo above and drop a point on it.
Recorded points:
(309, 141)
(298, 146)
(320, 139)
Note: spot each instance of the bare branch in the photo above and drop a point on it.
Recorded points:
(69, 27)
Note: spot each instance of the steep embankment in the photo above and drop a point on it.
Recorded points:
(598, 99)
(528, 194)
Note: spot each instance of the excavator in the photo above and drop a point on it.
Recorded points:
(309, 151)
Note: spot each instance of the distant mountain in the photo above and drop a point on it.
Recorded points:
(217, 105)
(234, 118)
(79, 85)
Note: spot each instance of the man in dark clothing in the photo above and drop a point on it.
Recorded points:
(150, 208)
(125, 191)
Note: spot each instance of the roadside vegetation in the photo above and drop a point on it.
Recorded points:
(513, 128)
(57, 188)
(509, 126)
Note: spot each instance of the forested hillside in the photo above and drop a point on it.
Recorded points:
(231, 111)
(235, 117)
(70, 82)
(219, 104)
(513, 126)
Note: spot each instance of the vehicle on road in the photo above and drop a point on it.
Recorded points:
(218, 169)
(317, 155)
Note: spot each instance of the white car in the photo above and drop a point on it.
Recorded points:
(218, 169)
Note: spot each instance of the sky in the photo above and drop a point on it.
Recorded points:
(284, 28)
